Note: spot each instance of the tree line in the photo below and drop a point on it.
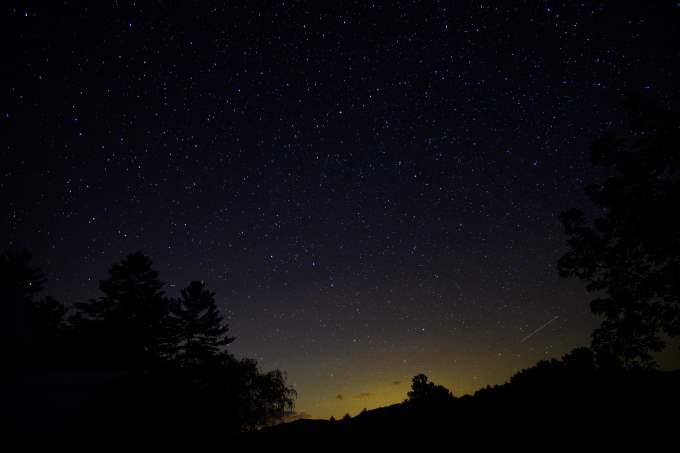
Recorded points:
(138, 355)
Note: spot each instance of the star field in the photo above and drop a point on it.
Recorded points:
(372, 191)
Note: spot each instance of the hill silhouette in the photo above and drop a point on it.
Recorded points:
(628, 256)
(572, 399)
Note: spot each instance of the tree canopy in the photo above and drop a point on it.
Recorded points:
(423, 390)
(628, 253)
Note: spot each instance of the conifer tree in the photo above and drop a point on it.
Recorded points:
(201, 330)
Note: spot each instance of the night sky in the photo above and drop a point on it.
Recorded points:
(372, 191)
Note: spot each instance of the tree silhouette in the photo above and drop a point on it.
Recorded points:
(630, 254)
(271, 398)
(30, 326)
(425, 391)
(48, 326)
(201, 330)
(19, 283)
(131, 320)
(49, 316)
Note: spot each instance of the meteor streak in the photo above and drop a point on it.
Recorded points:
(538, 330)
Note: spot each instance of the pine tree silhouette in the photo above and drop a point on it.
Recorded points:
(131, 320)
(201, 330)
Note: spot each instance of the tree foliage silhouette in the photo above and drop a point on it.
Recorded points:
(30, 326)
(48, 321)
(50, 315)
(423, 390)
(269, 399)
(131, 360)
(19, 283)
(132, 317)
(630, 254)
(201, 330)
